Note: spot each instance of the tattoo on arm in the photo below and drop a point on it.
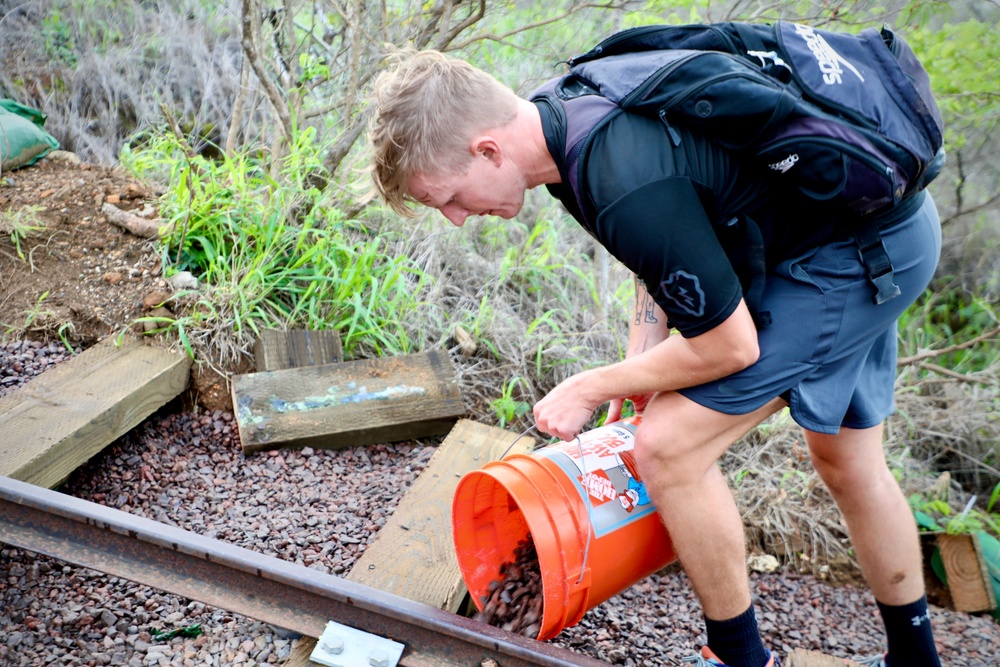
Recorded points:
(645, 307)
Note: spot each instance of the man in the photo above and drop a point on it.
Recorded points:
(450, 137)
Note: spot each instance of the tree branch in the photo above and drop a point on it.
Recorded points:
(612, 4)
(344, 143)
(931, 354)
(941, 370)
(278, 103)
(236, 120)
(470, 20)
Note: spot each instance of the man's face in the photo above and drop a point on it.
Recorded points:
(488, 187)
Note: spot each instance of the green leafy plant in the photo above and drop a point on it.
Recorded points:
(507, 408)
(31, 317)
(20, 224)
(935, 514)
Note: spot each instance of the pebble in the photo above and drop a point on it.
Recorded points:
(321, 508)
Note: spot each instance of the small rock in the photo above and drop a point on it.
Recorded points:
(64, 156)
(154, 299)
(183, 280)
(762, 563)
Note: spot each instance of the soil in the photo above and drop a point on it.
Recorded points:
(81, 278)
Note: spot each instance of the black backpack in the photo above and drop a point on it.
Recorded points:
(850, 118)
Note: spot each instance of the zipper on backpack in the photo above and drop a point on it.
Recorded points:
(675, 136)
(682, 97)
(652, 82)
(876, 165)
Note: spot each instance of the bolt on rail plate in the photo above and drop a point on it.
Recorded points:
(343, 646)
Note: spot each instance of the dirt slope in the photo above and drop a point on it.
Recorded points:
(79, 277)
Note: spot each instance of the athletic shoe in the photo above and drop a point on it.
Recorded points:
(874, 661)
(708, 659)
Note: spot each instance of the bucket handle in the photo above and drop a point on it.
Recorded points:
(584, 570)
(511, 445)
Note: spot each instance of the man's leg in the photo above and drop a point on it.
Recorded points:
(884, 536)
(676, 449)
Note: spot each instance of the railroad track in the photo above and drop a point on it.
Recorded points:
(261, 587)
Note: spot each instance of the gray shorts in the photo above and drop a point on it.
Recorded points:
(829, 351)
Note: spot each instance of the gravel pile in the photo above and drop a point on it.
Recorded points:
(20, 361)
(320, 509)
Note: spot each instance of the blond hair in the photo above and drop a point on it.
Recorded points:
(428, 108)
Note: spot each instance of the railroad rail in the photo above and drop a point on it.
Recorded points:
(261, 587)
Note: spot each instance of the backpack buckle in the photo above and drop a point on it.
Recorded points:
(877, 262)
(885, 288)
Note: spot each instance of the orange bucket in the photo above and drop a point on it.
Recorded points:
(559, 498)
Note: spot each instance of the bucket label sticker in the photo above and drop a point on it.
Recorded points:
(601, 464)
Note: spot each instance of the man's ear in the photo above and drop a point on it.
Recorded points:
(488, 147)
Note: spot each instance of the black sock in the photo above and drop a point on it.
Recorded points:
(737, 641)
(908, 633)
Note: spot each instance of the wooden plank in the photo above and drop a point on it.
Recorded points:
(58, 421)
(413, 554)
(299, 657)
(968, 578)
(277, 350)
(352, 403)
(802, 658)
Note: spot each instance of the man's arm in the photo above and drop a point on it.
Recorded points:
(647, 328)
(673, 363)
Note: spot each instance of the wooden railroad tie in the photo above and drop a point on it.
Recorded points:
(968, 577)
(413, 555)
(802, 658)
(351, 403)
(53, 425)
(277, 350)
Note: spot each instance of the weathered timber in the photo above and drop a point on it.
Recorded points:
(802, 658)
(277, 350)
(54, 424)
(968, 578)
(413, 555)
(352, 403)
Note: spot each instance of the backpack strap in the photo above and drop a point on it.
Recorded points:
(876, 261)
(751, 40)
(872, 249)
(758, 274)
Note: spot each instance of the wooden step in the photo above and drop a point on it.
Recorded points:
(414, 554)
(276, 350)
(352, 403)
(56, 422)
(802, 658)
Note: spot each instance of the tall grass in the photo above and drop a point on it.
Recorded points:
(274, 253)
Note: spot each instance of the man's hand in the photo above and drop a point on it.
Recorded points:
(565, 410)
(615, 407)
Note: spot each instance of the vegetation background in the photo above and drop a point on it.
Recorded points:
(250, 115)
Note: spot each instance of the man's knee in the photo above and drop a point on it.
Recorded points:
(849, 463)
(669, 458)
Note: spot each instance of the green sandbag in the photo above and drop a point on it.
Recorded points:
(22, 139)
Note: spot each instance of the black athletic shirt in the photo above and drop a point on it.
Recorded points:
(653, 205)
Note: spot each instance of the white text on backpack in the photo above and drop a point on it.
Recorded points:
(829, 60)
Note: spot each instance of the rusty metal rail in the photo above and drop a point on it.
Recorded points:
(261, 587)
